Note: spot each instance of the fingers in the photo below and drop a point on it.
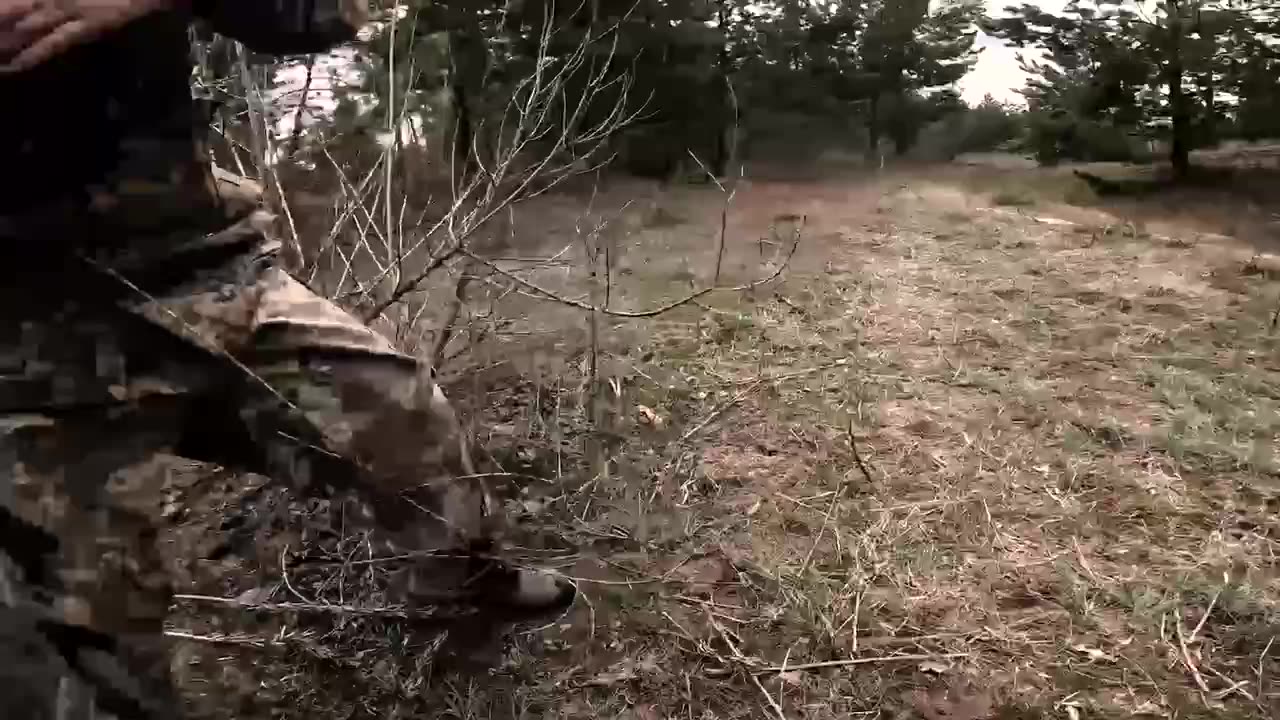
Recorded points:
(11, 11)
(27, 29)
(62, 37)
(32, 31)
(45, 16)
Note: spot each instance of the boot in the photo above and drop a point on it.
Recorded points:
(518, 593)
(493, 587)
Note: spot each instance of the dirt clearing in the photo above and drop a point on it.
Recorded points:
(967, 459)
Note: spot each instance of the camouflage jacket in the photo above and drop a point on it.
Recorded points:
(104, 144)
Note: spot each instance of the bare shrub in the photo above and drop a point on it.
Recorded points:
(436, 250)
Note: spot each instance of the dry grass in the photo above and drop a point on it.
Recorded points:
(965, 462)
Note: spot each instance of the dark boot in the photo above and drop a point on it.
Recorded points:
(494, 588)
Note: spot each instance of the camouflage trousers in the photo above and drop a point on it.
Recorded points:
(103, 366)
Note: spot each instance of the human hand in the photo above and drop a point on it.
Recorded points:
(32, 31)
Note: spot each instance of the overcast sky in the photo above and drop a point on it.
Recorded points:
(997, 71)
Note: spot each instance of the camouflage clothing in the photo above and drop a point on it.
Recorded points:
(241, 367)
(129, 329)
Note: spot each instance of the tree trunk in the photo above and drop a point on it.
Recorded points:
(902, 143)
(1180, 144)
(903, 126)
(727, 122)
(1209, 124)
(873, 129)
(720, 155)
(463, 134)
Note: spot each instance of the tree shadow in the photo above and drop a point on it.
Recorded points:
(1241, 202)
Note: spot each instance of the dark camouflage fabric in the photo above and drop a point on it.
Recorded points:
(241, 366)
(143, 315)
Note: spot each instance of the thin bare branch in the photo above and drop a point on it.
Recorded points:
(647, 313)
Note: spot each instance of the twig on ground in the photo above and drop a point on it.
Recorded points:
(1084, 563)
(857, 609)
(284, 573)
(688, 694)
(922, 505)
(744, 660)
(785, 301)
(801, 503)
(683, 632)
(780, 376)
(718, 411)
(501, 476)
(1186, 657)
(320, 608)
(864, 661)
(782, 684)
(1262, 658)
(1200, 625)
(826, 520)
(294, 642)
(857, 457)
(221, 638)
(1233, 687)
(618, 583)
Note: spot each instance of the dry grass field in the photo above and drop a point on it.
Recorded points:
(988, 448)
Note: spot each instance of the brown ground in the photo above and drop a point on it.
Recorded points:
(979, 454)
